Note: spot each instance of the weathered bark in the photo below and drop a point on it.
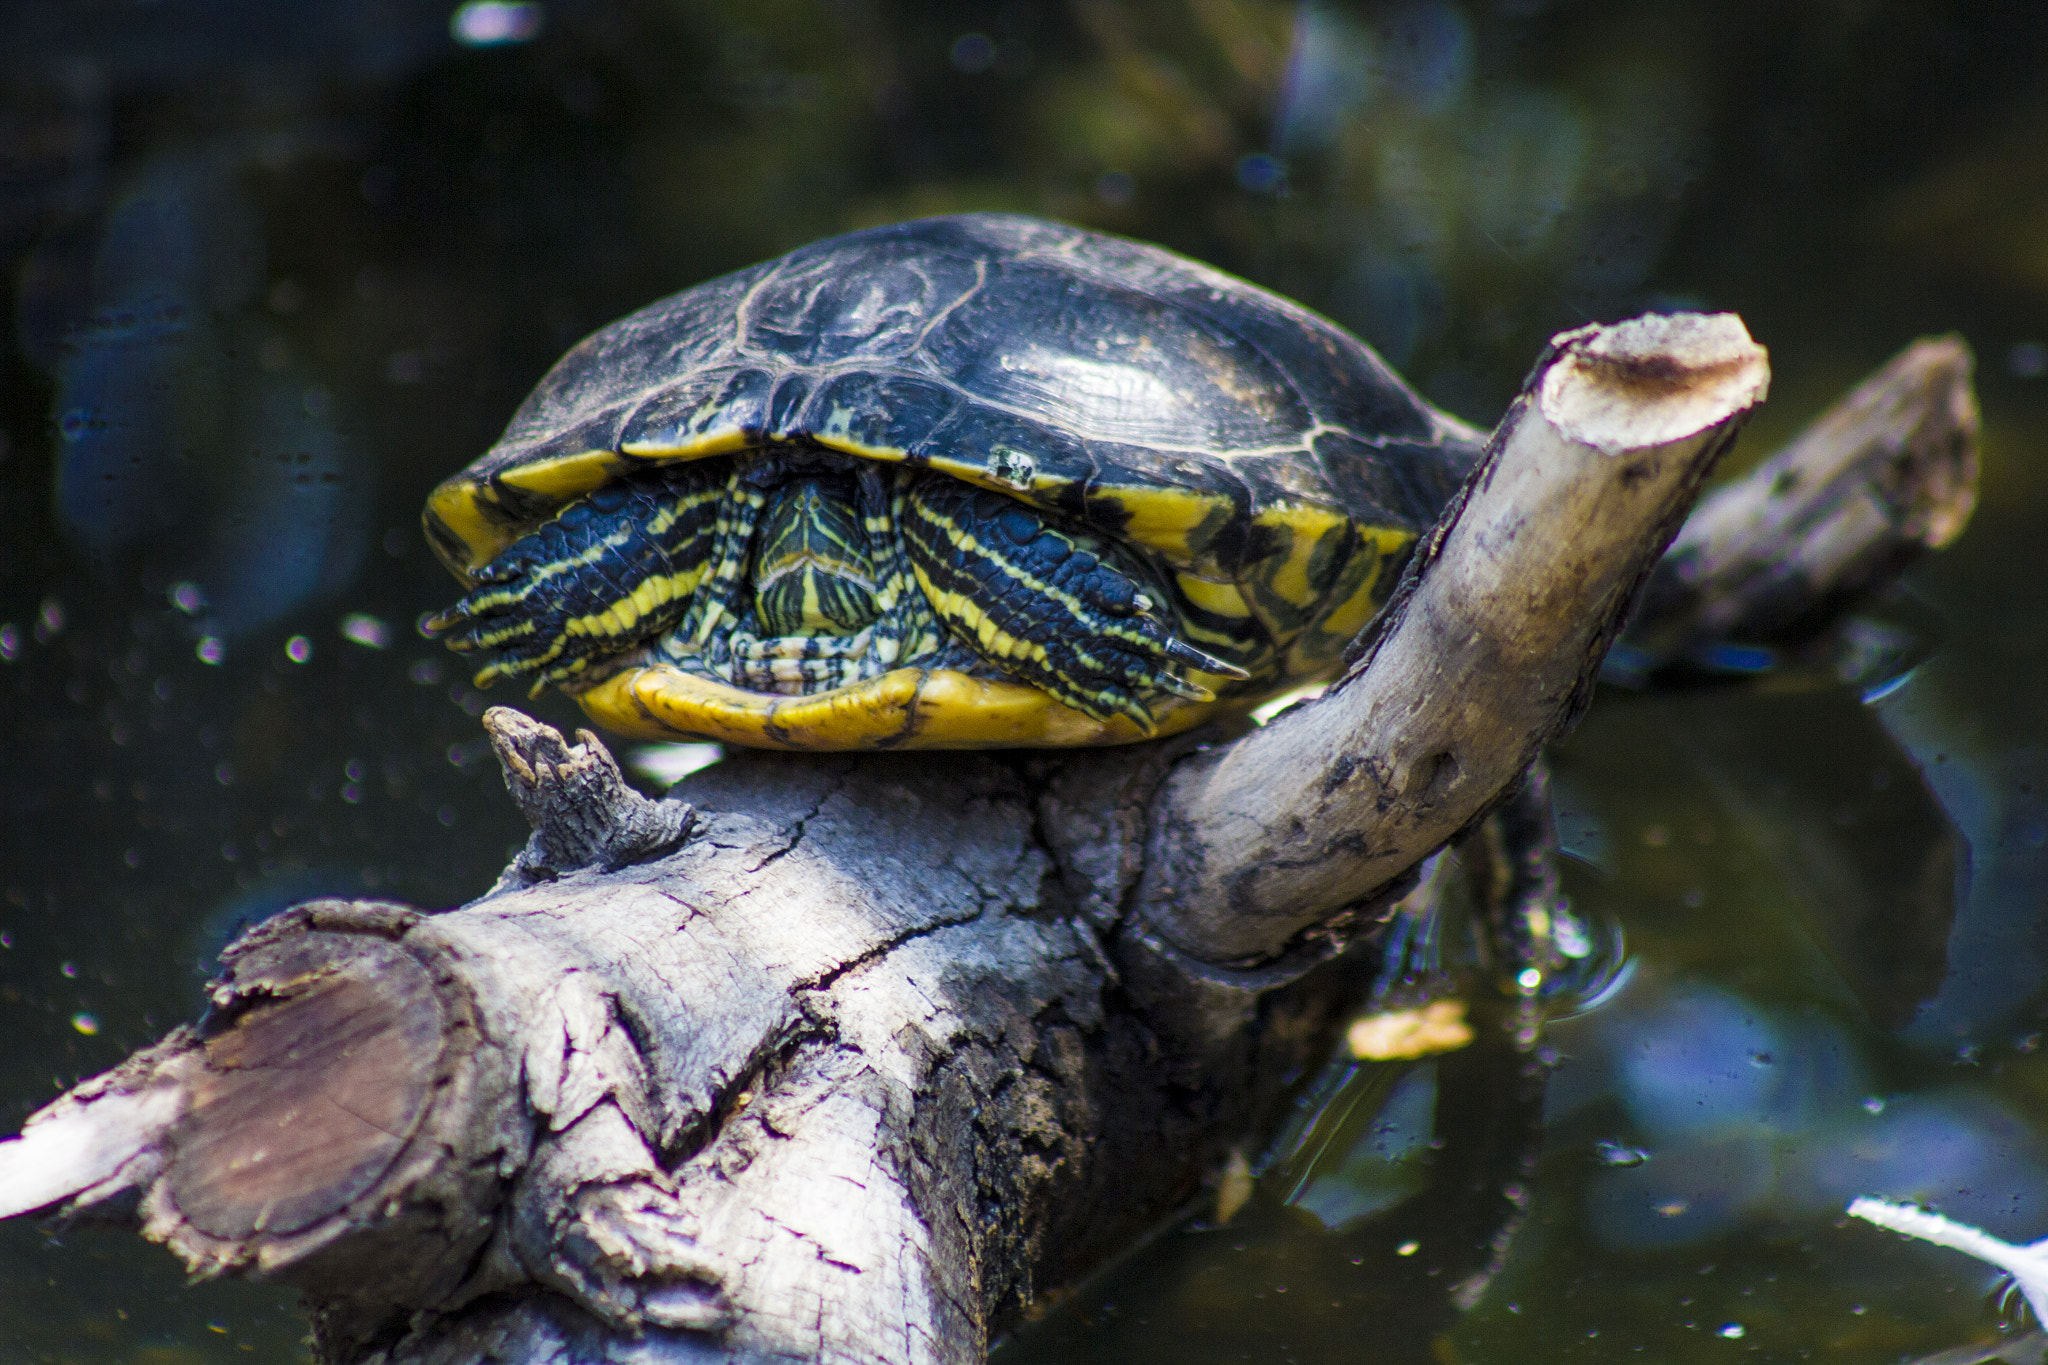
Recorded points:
(849, 1059)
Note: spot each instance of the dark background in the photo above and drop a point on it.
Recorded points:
(273, 270)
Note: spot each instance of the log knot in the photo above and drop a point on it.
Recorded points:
(582, 812)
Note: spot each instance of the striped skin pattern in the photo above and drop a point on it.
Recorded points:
(723, 635)
(797, 665)
(768, 575)
(812, 572)
(1058, 609)
(611, 570)
(834, 599)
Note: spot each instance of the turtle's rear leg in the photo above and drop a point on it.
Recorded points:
(611, 570)
(1062, 610)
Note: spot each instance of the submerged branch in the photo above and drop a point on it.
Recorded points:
(1882, 477)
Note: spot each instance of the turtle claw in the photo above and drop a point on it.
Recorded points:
(1180, 651)
(437, 626)
(1181, 687)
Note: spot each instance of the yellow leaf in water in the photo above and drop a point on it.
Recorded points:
(1399, 1035)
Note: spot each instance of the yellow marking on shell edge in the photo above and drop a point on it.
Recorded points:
(1163, 519)
(472, 514)
(1318, 647)
(1220, 599)
(468, 513)
(907, 708)
(968, 471)
(846, 445)
(1305, 528)
(704, 447)
(565, 476)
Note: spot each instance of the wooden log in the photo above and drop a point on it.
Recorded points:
(851, 1059)
(1882, 477)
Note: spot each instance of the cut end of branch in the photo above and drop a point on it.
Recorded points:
(1652, 380)
(308, 1097)
(1485, 651)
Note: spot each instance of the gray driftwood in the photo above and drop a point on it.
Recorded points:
(1885, 475)
(837, 1059)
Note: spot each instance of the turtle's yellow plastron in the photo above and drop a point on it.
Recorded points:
(903, 709)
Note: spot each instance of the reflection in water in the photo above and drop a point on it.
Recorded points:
(187, 431)
(1701, 1061)
(1859, 853)
(1998, 955)
(276, 269)
(2027, 1265)
(1750, 1118)
(1385, 1164)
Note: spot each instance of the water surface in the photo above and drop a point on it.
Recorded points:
(272, 277)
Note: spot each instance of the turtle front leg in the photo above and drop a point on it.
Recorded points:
(611, 570)
(1061, 610)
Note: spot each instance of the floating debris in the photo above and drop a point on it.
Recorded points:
(1611, 1153)
(2028, 1265)
(1401, 1035)
(1234, 1188)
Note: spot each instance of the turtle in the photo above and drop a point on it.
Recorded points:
(981, 480)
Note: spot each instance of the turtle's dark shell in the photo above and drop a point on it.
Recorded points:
(1270, 464)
